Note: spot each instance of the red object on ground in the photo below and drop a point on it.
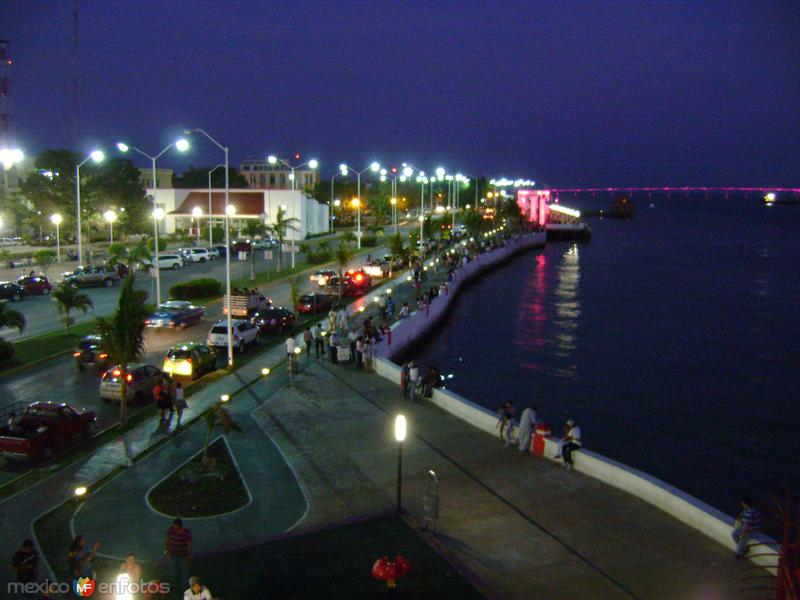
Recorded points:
(388, 331)
(542, 431)
(390, 571)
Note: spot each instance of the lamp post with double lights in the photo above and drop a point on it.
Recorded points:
(96, 156)
(110, 216)
(181, 145)
(226, 151)
(375, 167)
(56, 220)
(274, 160)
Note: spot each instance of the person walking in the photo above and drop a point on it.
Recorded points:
(178, 549)
(382, 306)
(179, 402)
(569, 443)
(505, 421)
(413, 381)
(26, 563)
(352, 338)
(319, 340)
(746, 525)
(161, 396)
(527, 422)
(290, 344)
(359, 352)
(308, 339)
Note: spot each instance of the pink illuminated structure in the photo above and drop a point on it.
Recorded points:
(533, 205)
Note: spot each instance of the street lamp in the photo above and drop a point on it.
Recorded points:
(96, 156)
(197, 212)
(421, 236)
(56, 220)
(344, 169)
(9, 157)
(210, 212)
(181, 145)
(393, 202)
(331, 203)
(225, 149)
(273, 160)
(110, 216)
(400, 436)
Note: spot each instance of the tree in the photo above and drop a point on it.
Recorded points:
(198, 178)
(279, 228)
(474, 222)
(343, 255)
(122, 336)
(117, 252)
(116, 184)
(217, 416)
(68, 299)
(44, 258)
(396, 248)
(151, 244)
(349, 237)
(11, 318)
(294, 289)
(378, 203)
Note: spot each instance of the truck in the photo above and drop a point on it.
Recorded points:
(36, 430)
(244, 304)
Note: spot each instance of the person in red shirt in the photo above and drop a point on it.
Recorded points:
(178, 548)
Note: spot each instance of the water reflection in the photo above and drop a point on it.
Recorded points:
(547, 326)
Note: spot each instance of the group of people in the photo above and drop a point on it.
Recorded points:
(412, 382)
(169, 399)
(569, 443)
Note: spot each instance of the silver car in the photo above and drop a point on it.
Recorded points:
(141, 380)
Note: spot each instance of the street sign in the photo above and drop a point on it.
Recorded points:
(242, 255)
(290, 248)
(267, 254)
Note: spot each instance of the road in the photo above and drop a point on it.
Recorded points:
(60, 380)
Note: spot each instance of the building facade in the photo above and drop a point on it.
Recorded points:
(263, 176)
(163, 178)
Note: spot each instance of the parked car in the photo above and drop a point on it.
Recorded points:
(175, 314)
(189, 360)
(36, 285)
(40, 428)
(197, 255)
(244, 333)
(12, 291)
(273, 319)
(140, 378)
(213, 253)
(315, 302)
(88, 354)
(266, 243)
(165, 261)
(121, 268)
(89, 276)
(222, 250)
(322, 276)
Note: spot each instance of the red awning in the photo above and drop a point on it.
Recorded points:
(248, 204)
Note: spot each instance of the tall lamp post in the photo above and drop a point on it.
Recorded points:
(210, 236)
(56, 220)
(274, 160)
(110, 216)
(344, 169)
(400, 436)
(97, 156)
(8, 158)
(331, 204)
(225, 149)
(197, 212)
(180, 145)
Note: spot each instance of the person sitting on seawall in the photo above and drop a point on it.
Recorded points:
(747, 523)
(570, 442)
(527, 422)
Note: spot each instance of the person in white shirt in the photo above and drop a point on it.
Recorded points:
(570, 442)
(526, 424)
(197, 591)
(413, 380)
(291, 344)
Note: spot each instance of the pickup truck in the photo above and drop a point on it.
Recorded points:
(245, 305)
(40, 428)
(84, 276)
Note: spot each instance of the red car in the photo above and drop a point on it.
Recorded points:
(41, 428)
(315, 302)
(36, 285)
(359, 277)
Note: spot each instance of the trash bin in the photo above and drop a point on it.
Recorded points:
(542, 431)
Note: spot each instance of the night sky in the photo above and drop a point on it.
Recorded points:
(567, 93)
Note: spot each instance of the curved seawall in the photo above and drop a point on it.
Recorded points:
(677, 503)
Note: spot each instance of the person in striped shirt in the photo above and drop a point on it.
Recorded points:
(747, 523)
(178, 548)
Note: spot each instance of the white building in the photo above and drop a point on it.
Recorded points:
(260, 174)
(178, 205)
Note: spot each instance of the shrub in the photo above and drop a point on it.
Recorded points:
(6, 351)
(196, 288)
(162, 244)
(367, 241)
(304, 248)
(315, 258)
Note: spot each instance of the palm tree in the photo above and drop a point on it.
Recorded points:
(343, 255)
(11, 318)
(122, 335)
(279, 228)
(217, 416)
(68, 299)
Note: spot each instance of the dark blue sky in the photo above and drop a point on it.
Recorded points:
(568, 93)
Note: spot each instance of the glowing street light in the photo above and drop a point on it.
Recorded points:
(110, 216)
(56, 220)
(181, 145)
(400, 436)
(96, 156)
(375, 167)
(274, 160)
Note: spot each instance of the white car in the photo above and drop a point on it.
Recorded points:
(213, 253)
(165, 261)
(244, 333)
(200, 255)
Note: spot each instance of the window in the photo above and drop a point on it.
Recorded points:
(272, 179)
(263, 179)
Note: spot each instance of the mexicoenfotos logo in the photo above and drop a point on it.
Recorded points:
(83, 586)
